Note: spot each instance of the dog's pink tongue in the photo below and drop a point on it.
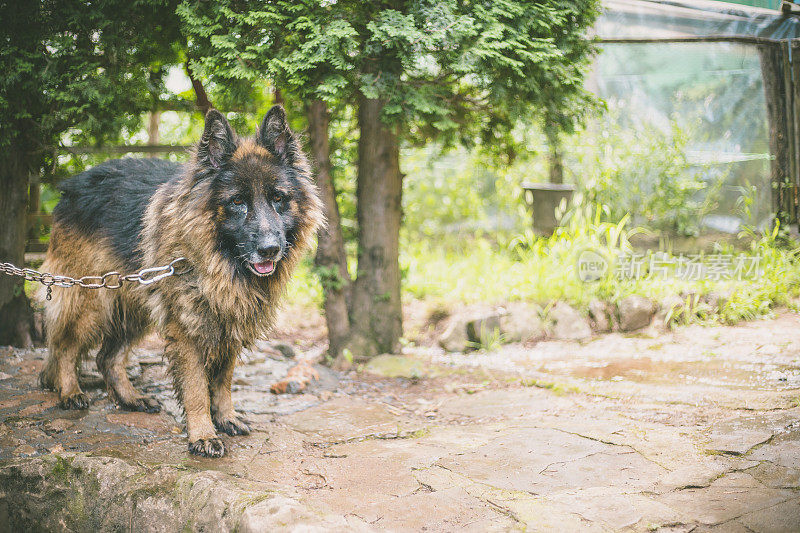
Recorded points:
(265, 267)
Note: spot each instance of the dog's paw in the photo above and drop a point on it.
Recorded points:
(145, 404)
(232, 425)
(213, 447)
(74, 402)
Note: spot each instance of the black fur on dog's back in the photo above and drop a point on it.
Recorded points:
(110, 200)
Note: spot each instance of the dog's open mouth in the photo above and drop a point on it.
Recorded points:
(264, 268)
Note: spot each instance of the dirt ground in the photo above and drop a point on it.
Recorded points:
(692, 430)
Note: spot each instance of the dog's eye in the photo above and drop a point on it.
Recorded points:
(278, 197)
(237, 200)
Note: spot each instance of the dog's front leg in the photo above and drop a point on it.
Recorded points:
(225, 417)
(192, 386)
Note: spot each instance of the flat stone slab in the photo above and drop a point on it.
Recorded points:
(544, 461)
(343, 419)
(559, 436)
(728, 498)
(744, 433)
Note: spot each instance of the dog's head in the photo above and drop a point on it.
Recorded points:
(260, 191)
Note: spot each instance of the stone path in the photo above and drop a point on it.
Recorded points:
(695, 430)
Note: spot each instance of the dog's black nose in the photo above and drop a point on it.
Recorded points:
(268, 251)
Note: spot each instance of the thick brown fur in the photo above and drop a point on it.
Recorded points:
(208, 314)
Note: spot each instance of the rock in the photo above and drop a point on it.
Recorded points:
(275, 350)
(737, 442)
(25, 449)
(328, 380)
(58, 425)
(437, 314)
(296, 380)
(635, 312)
(782, 517)
(274, 512)
(600, 315)
(673, 309)
(517, 322)
(522, 323)
(86, 493)
(454, 338)
(669, 309)
(716, 300)
(484, 330)
(568, 324)
(286, 350)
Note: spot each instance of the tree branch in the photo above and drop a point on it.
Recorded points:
(201, 101)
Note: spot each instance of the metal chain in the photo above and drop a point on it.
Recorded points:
(109, 280)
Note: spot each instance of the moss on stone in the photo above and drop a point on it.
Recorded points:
(62, 469)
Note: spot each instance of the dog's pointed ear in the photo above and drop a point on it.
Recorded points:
(275, 135)
(218, 142)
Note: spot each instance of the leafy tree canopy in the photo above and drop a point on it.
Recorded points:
(84, 69)
(448, 69)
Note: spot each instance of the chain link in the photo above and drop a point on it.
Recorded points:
(109, 280)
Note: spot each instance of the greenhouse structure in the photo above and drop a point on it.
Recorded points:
(728, 75)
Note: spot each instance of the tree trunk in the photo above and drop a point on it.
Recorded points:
(555, 158)
(16, 316)
(376, 313)
(331, 259)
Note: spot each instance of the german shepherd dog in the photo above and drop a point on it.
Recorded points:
(241, 212)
